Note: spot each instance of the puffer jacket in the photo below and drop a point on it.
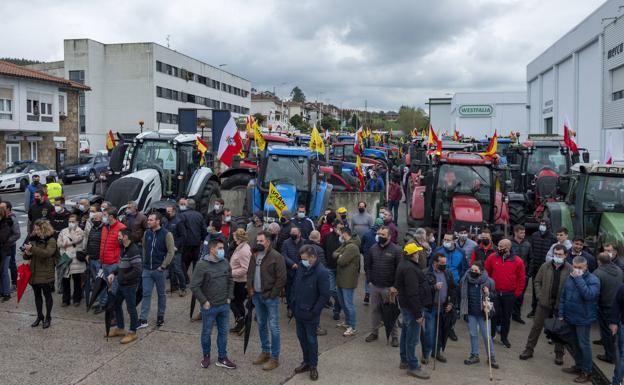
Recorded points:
(469, 299)
(130, 266)
(381, 262)
(310, 292)
(348, 263)
(69, 242)
(409, 282)
(239, 262)
(579, 299)
(455, 261)
(43, 258)
(109, 246)
(540, 244)
(94, 240)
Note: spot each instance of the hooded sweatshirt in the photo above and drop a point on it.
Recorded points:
(610, 277)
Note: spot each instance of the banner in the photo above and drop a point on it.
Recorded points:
(275, 199)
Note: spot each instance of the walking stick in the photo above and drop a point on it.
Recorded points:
(487, 330)
(435, 351)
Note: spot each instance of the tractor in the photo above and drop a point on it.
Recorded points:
(536, 165)
(294, 171)
(457, 189)
(159, 167)
(593, 206)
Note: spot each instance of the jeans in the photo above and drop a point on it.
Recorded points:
(366, 287)
(333, 291)
(409, 339)
(108, 269)
(476, 325)
(605, 333)
(517, 308)
(13, 265)
(175, 270)
(267, 315)
(503, 304)
(581, 348)
(393, 206)
(618, 372)
(5, 258)
(306, 333)
(345, 297)
(127, 293)
(151, 277)
(430, 334)
(221, 314)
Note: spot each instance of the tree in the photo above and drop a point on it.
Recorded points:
(259, 118)
(19, 62)
(354, 121)
(328, 122)
(297, 95)
(300, 124)
(410, 118)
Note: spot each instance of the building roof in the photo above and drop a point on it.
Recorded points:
(12, 70)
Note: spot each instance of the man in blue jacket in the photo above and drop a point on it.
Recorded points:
(310, 294)
(578, 307)
(290, 252)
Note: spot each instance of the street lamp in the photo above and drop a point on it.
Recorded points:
(202, 125)
(141, 123)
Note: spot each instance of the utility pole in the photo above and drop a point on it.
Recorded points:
(168, 37)
(365, 111)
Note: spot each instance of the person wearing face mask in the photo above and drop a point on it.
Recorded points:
(484, 248)
(109, 248)
(228, 227)
(464, 243)
(158, 251)
(610, 277)
(394, 198)
(55, 190)
(540, 241)
(305, 224)
(254, 227)
(392, 227)
(368, 240)
(29, 193)
(331, 243)
(217, 210)
(577, 307)
(311, 293)
(578, 250)
(362, 221)
(128, 276)
(213, 287)
(92, 248)
(380, 265)
(445, 290)
(508, 273)
(343, 215)
(548, 284)
(100, 186)
(40, 209)
(136, 221)
(562, 239)
(176, 275)
(59, 217)
(82, 210)
(475, 288)
(328, 226)
(8, 236)
(291, 252)
(611, 250)
(521, 247)
(431, 237)
(70, 242)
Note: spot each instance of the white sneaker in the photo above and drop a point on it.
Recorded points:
(350, 332)
(342, 325)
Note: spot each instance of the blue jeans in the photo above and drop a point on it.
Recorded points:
(393, 207)
(429, 342)
(128, 294)
(108, 269)
(345, 297)
(267, 314)
(477, 325)
(306, 333)
(409, 339)
(618, 372)
(581, 348)
(221, 314)
(333, 291)
(151, 277)
(175, 272)
(5, 258)
(366, 288)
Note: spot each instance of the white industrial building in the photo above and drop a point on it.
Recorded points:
(581, 78)
(479, 114)
(133, 82)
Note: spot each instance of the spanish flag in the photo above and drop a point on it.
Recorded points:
(491, 150)
(433, 140)
(202, 147)
(110, 141)
(456, 135)
(359, 172)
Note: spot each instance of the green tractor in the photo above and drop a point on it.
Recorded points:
(593, 206)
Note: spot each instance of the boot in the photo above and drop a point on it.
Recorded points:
(37, 321)
(130, 337)
(262, 358)
(46, 322)
(116, 332)
(271, 364)
(526, 354)
(240, 324)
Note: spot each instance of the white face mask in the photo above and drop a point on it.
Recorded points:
(447, 245)
(183, 208)
(58, 209)
(91, 215)
(72, 226)
(105, 219)
(557, 260)
(228, 218)
(542, 228)
(217, 207)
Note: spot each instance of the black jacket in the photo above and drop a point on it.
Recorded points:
(522, 250)
(130, 266)
(39, 211)
(320, 253)
(331, 244)
(591, 260)
(617, 307)
(193, 226)
(284, 234)
(540, 244)
(93, 242)
(173, 226)
(59, 221)
(450, 284)
(409, 282)
(6, 233)
(380, 264)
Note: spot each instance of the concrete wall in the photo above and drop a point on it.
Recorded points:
(234, 200)
(440, 116)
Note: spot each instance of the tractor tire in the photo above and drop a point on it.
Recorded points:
(210, 193)
(236, 182)
(517, 213)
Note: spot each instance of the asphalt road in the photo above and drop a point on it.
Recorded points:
(71, 190)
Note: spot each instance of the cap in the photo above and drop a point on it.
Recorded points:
(379, 222)
(411, 248)
(342, 210)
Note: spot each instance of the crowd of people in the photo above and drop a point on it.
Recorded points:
(311, 266)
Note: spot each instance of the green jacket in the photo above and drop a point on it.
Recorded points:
(42, 259)
(212, 282)
(348, 264)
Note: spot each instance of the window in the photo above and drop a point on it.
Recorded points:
(190, 98)
(6, 103)
(32, 108)
(159, 92)
(45, 105)
(168, 93)
(61, 104)
(159, 66)
(32, 150)
(77, 76)
(548, 125)
(201, 79)
(617, 83)
(82, 119)
(175, 95)
(169, 70)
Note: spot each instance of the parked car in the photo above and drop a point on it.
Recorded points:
(88, 168)
(20, 175)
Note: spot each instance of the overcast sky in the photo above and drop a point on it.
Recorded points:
(389, 53)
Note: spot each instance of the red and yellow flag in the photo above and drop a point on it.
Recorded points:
(202, 147)
(433, 140)
(491, 150)
(110, 141)
(359, 172)
(456, 135)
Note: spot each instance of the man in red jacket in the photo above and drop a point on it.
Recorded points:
(109, 249)
(507, 271)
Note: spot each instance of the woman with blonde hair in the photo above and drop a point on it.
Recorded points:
(239, 263)
(70, 241)
(41, 253)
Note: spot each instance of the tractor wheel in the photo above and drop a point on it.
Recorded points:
(208, 196)
(517, 213)
(236, 182)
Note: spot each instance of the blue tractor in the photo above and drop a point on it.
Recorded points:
(501, 147)
(294, 171)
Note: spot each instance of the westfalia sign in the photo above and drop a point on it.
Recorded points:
(476, 110)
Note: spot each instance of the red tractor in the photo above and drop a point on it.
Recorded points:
(457, 189)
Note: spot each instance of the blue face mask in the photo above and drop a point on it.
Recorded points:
(305, 263)
(221, 254)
